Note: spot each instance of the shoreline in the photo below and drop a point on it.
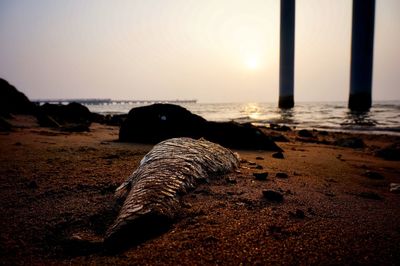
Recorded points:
(57, 192)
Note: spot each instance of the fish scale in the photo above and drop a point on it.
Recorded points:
(170, 169)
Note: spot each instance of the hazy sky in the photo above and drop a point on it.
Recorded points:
(210, 50)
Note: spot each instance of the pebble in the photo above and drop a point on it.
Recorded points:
(261, 176)
(305, 133)
(259, 158)
(370, 195)
(231, 180)
(391, 152)
(278, 155)
(395, 187)
(373, 175)
(32, 184)
(355, 143)
(323, 133)
(281, 175)
(298, 214)
(273, 195)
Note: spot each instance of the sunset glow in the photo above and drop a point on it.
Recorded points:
(213, 51)
(252, 63)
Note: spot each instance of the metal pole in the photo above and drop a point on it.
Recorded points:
(286, 67)
(362, 47)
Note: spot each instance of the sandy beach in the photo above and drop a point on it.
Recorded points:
(57, 200)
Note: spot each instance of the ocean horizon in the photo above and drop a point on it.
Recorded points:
(382, 118)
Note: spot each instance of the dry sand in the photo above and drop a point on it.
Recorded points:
(56, 201)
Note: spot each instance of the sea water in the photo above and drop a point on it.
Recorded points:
(383, 117)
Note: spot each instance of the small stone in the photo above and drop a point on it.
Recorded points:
(355, 143)
(373, 175)
(231, 180)
(273, 195)
(391, 152)
(261, 176)
(305, 133)
(32, 184)
(259, 167)
(18, 144)
(259, 158)
(299, 214)
(252, 163)
(281, 175)
(211, 239)
(278, 155)
(370, 195)
(395, 187)
(187, 205)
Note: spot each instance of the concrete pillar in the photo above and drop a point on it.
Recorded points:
(362, 46)
(286, 65)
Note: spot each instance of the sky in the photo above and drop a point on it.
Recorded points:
(209, 50)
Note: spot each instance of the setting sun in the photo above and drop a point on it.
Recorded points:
(252, 63)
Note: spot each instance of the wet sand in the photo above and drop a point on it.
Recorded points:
(56, 202)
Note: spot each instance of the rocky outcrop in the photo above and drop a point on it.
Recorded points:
(13, 101)
(157, 122)
(71, 117)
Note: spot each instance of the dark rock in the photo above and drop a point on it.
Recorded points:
(157, 122)
(391, 152)
(70, 113)
(75, 128)
(279, 127)
(278, 155)
(273, 195)
(299, 214)
(323, 133)
(13, 101)
(259, 167)
(259, 158)
(211, 239)
(261, 176)
(231, 180)
(32, 184)
(98, 118)
(281, 175)
(278, 137)
(4, 125)
(47, 121)
(304, 133)
(370, 195)
(355, 143)
(374, 175)
(238, 136)
(73, 117)
(111, 120)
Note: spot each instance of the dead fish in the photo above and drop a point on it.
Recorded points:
(172, 168)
